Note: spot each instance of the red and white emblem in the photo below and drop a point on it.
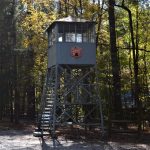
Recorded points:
(76, 52)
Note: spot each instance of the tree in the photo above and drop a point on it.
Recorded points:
(7, 45)
(35, 18)
(135, 51)
(117, 106)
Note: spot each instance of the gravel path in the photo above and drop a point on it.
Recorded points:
(24, 140)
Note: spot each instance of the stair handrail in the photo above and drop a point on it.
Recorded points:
(43, 100)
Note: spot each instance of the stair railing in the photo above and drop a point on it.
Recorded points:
(43, 100)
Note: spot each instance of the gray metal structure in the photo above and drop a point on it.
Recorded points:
(70, 93)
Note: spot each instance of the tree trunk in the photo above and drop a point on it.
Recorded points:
(136, 67)
(137, 89)
(16, 111)
(17, 95)
(81, 7)
(100, 13)
(66, 8)
(31, 101)
(117, 106)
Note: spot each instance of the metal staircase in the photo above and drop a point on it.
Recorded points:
(45, 118)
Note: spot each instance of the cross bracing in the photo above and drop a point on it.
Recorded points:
(70, 97)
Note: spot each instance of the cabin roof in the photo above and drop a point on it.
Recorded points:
(69, 19)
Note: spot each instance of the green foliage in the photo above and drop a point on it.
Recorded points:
(33, 21)
(33, 18)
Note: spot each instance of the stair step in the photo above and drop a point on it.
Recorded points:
(45, 121)
(47, 111)
(48, 114)
(48, 97)
(44, 125)
(48, 108)
(45, 128)
(49, 103)
(45, 115)
(47, 118)
(40, 134)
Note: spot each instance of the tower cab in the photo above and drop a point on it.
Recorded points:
(71, 41)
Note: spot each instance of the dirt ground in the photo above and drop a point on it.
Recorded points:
(23, 139)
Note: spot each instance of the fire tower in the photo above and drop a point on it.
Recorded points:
(70, 94)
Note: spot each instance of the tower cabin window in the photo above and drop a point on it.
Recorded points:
(80, 33)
